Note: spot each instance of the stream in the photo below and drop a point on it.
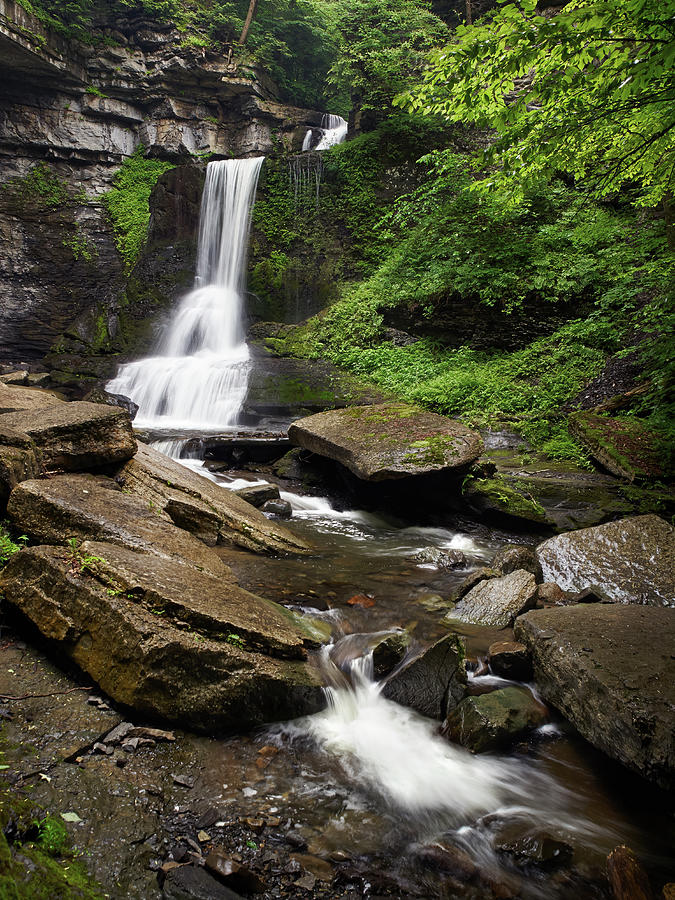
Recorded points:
(373, 783)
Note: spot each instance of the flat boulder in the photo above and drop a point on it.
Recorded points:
(13, 398)
(497, 601)
(610, 670)
(76, 436)
(199, 505)
(388, 441)
(433, 681)
(629, 561)
(163, 638)
(91, 507)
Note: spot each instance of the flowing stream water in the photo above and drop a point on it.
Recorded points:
(366, 779)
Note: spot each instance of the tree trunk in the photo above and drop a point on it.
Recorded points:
(249, 18)
(469, 19)
(669, 214)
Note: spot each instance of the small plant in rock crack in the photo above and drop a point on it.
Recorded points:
(80, 562)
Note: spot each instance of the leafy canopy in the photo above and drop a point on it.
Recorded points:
(589, 91)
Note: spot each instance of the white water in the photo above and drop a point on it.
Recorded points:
(199, 377)
(333, 131)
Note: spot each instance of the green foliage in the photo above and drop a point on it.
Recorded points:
(40, 188)
(236, 640)
(382, 46)
(8, 543)
(80, 563)
(128, 202)
(95, 91)
(80, 246)
(590, 91)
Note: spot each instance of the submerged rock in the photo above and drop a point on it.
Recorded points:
(627, 877)
(213, 514)
(164, 638)
(630, 561)
(432, 682)
(541, 850)
(493, 721)
(497, 601)
(442, 559)
(280, 508)
(77, 436)
(610, 670)
(388, 441)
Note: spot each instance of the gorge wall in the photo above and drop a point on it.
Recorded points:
(70, 114)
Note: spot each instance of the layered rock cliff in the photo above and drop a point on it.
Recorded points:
(70, 114)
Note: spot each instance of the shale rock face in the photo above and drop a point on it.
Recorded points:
(388, 441)
(198, 505)
(19, 460)
(610, 670)
(164, 638)
(631, 561)
(75, 436)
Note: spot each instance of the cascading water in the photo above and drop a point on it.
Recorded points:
(199, 377)
(334, 131)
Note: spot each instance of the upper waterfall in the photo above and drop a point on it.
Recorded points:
(199, 377)
(333, 131)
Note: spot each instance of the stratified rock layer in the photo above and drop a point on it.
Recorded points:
(207, 510)
(388, 441)
(162, 637)
(631, 561)
(76, 436)
(610, 670)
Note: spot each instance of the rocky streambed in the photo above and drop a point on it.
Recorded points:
(164, 601)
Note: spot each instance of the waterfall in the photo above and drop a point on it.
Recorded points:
(199, 376)
(334, 131)
(305, 173)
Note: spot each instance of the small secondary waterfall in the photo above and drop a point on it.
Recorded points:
(333, 131)
(199, 377)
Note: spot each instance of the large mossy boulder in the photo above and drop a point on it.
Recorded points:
(496, 602)
(212, 513)
(388, 441)
(164, 638)
(433, 681)
(625, 447)
(631, 560)
(527, 487)
(76, 436)
(610, 670)
(493, 721)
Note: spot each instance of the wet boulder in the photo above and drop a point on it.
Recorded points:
(512, 557)
(494, 721)
(610, 670)
(212, 513)
(258, 494)
(77, 436)
(164, 638)
(388, 441)
(195, 883)
(98, 395)
(389, 653)
(497, 601)
(629, 561)
(483, 573)
(280, 508)
(540, 850)
(442, 559)
(433, 681)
